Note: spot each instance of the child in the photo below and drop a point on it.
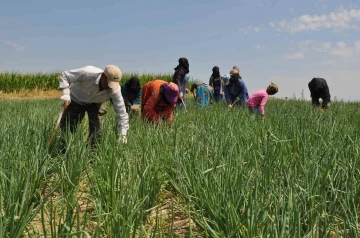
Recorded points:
(258, 100)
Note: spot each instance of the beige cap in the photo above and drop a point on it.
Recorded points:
(234, 72)
(113, 75)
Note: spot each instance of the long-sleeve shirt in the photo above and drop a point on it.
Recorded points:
(244, 92)
(128, 98)
(237, 88)
(153, 106)
(82, 85)
(179, 76)
(258, 99)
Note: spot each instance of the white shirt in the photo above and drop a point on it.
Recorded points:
(83, 87)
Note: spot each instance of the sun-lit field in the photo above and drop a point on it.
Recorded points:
(216, 173)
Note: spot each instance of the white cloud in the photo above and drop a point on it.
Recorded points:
(296, 55)
(15, 45)
(340, 48)
(357, 47)
(259, 47)
(250, 29)
(341, 19)
(328, 63)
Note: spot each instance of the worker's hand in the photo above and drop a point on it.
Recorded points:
(230, 106)
(135, 107)
(65, 100)
(181, 95)
(123, 139)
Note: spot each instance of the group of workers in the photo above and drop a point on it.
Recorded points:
(85, 89)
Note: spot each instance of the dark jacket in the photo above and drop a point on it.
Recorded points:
(237, 88)
(179, 76)
(130, 98)
(319, 89)
(180, 71)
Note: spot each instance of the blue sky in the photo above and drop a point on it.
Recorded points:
(287, 42)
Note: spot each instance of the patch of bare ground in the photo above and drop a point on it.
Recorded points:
(31, 94)
(169, 219)
(53, 213)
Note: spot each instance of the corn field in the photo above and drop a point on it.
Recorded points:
(216, 173)
(14, 82)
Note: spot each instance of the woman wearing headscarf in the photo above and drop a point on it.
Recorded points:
(131, 91)
(203, 94)
(216, 83)
(257, 101)
(158, 101)
(180, 79)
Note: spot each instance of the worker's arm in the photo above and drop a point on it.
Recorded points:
(120, 110)
(149, 107)
(178, 76)
(168, 113)
(138, 97)
(262, 104)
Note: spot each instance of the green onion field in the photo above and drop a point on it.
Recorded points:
(216, 173)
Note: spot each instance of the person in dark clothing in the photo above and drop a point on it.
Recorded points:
(131, 92)
(238, 92)
(319, 89)
(180, 78)
(216, 83)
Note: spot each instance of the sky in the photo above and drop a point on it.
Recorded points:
(287, 42)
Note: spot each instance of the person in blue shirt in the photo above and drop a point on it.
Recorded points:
(237, 89)
(225, 81)
(131, 92)
(203, 94)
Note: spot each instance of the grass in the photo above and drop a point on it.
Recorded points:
(223, 173)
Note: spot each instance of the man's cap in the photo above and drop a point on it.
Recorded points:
(113, 75)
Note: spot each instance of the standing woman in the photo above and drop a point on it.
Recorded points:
(216, 83)
(180, 79)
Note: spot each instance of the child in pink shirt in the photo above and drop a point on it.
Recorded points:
(258, 100)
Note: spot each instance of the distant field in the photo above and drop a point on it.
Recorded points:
(217, 173)
(13, 82)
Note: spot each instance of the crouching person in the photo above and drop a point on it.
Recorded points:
(237, 89)
(131, 92)
(257, 101)
(84, 90)
(319, 89)
(203, 94)
(158, 100)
